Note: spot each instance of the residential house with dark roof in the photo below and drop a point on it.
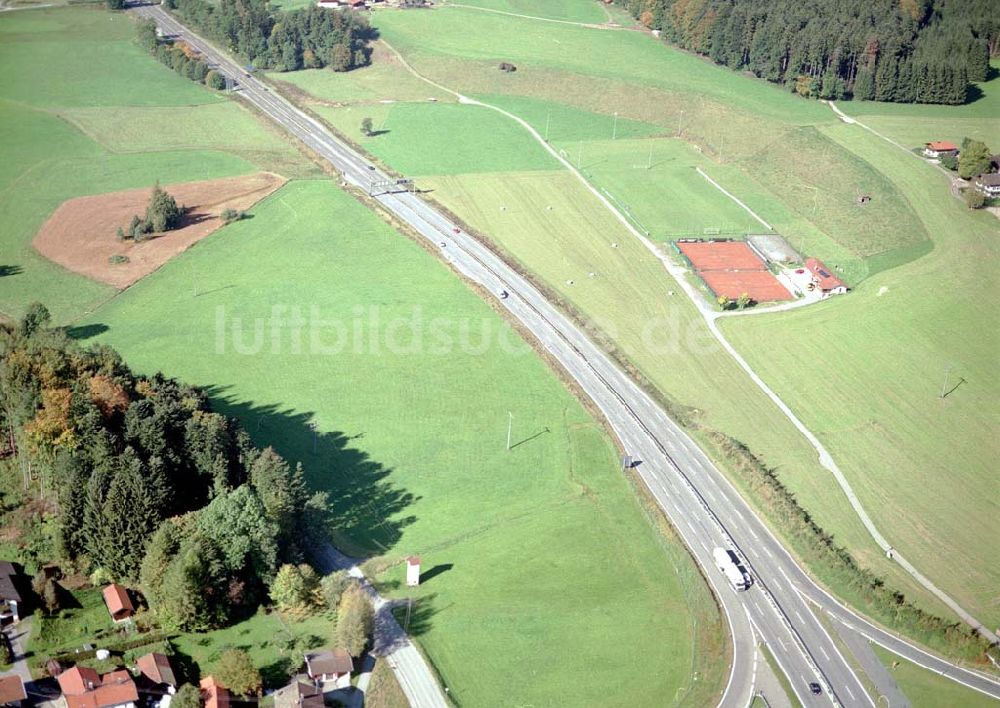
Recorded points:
(298, 694)
(12, 690)
(118, 602)
(330, 669)
(10, 594)
(85, 688)
(988, 184)
(156, 669)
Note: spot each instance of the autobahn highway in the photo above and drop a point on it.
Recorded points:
(697, 498)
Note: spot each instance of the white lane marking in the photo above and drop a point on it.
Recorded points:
(823, 652)
(848, 689)
(768, 552)
(799, 615)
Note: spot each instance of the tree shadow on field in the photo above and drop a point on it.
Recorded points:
(6, 270)
(366, 506)
(86, 331)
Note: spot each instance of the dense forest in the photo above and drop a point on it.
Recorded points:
(309, 38)
(912, 51)
(135, 479)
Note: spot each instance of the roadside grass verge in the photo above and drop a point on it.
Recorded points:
(926, 689)
(544, 558)
(383, 689)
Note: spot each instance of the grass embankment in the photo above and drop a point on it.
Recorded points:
(743, 130)
(383, 689)
(926, 689)
(84, 111)
(544, 541)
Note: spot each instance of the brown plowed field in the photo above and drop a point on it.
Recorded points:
(80, 234)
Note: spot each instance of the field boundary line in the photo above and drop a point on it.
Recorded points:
(825, 458)
(588, 25)
(736, 199)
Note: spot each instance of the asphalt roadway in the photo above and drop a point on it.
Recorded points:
(697, 498)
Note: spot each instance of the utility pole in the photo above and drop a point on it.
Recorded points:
(510, 425)
(649, 160)
(579, 157)
(679, 119)
(614, 130)
(548, 118)
(944, 385)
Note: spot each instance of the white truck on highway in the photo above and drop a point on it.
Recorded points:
(725, 561)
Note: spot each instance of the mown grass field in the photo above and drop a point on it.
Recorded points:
(423, 138)
(84, 111)
(752, 125)
(788, 159)
(545, 566)
(926, 689)
(566, 10)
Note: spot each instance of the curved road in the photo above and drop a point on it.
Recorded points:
(700, 502)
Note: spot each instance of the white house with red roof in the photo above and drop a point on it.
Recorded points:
(940, 148)
(823, 280)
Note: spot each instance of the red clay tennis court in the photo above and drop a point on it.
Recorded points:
(731, 268)
(721, 255)
(760, 285)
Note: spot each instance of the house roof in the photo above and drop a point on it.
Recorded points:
(116, 598)
(12, 689)
(940, 145)
(335, 661)
(156, 667)
(214, 693)
(8, 590)
(827, 281)
(990, 180)
(78, 680)
(83, 688)
(298, 695)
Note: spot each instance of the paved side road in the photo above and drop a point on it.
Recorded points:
(703, 506)
(407, 663)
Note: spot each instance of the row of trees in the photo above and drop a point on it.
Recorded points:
(145, 483)
(179, 56)
(885, 50)
(308, 38)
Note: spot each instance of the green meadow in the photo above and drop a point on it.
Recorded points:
(394, 389)
(86, 111)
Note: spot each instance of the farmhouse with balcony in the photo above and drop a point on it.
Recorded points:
(988, 184)
(940, 148)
